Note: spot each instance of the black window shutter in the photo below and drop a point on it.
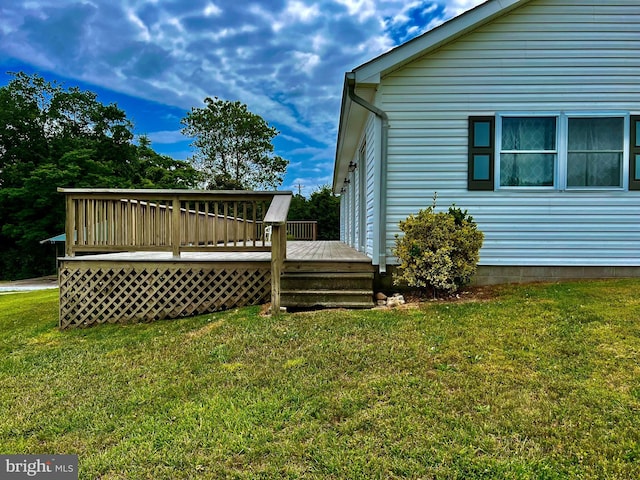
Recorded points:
(481, 153)
(634, 153)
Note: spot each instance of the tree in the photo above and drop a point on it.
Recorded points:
(161, 171)
(324, 207)
(234, 149)
(54, 137)
(299, 208)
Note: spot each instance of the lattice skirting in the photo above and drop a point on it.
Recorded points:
(132, 292)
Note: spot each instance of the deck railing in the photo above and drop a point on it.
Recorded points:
(306, 230)
(105, 220)
(302, 230)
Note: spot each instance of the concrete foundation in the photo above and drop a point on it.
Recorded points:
(496, 275)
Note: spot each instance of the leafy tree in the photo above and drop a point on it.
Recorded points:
(161, 171)
(324, 207)
(299, 208)
(234, 149)
(53, 137)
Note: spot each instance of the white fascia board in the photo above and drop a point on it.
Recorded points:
(345, 108)
(372, 81)
(443, 34)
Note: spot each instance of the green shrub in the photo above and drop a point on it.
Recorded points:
(438, 251)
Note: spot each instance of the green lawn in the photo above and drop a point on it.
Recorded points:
(539, 382)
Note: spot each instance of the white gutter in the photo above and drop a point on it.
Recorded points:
(384, 135)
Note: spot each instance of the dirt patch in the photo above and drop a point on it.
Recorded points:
(469, 294)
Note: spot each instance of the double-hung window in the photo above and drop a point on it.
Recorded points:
(595, 151)
(561, 152)
(528, 154)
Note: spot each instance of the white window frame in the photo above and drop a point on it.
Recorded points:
(560, 167)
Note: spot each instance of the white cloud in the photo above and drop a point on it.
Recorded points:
(144, 31)
(361, 8)
(177, 53)
(167, 136)
(290, 138)
(212, 10)
(456, 7)
(308, 184)
(307, 61)
(297, 10)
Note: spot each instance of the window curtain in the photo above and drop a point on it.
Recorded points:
(595, 152)
(535, 135)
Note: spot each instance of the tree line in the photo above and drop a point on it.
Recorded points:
(55, 137)
(322, 206)
(52, 137)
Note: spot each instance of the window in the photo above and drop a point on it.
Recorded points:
(528, 154)
(594, 152)
(554, 152)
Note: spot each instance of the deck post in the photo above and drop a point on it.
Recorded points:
(276, 216)
(70, 226)
(175, 227)
(276, 268)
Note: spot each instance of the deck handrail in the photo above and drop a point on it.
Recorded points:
(116, 220)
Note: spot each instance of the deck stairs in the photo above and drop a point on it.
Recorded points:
(327, 284)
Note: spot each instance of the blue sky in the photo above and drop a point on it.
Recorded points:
(158, 58)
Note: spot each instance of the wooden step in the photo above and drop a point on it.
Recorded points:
(326, 298)
(329, 266)
(331, 283)
(327, 281)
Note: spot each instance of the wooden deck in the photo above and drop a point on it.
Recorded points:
(148, 285)
(136, 255)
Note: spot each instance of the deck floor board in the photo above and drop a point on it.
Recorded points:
(324, 250)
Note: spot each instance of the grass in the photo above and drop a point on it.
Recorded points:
(538, 382)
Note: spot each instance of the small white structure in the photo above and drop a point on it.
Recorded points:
(526, 113)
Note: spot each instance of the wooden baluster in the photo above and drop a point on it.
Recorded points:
(235, 224)
(245, 222)
(197, 215)
(254, 208)
(216, 230)
(129, 237)
(206, 224)
(175, 227)
(226, 223)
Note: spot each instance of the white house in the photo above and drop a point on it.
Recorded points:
(524, 112)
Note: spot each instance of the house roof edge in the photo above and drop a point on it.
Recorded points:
(434, 38)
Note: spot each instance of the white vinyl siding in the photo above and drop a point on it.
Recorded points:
(343, 223)
(371, 144)
(577, 56)
(356, 204)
